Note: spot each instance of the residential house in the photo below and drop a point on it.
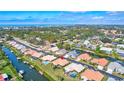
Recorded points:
(53, 49)
(36, 54)
(120, 52)
(74, 67)
(60, 62)
(3, 77)
(48, 57)
(106, 50)
(72, 54)
(23, 50)
(101, 62)
(115, 67)
(92, 75)
(61, 52)
(84, 56)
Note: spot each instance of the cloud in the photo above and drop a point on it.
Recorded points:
(97, 17)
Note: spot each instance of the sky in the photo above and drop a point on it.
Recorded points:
(61, 17)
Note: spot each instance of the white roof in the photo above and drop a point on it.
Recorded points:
(106, 49)
(53, 49)
(74, 66)
(4, 75)
(114, 66)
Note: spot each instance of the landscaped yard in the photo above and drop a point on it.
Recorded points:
(48, 70)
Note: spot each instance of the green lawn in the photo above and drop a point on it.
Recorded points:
(48, 70)
(6, 67)
(11, 72)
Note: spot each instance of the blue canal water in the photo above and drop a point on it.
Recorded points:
(29, 73)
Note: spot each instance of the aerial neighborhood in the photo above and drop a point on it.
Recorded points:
(63, 53)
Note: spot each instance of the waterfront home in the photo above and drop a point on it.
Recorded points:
(72, 54)
(92, 75)
(16, 45)
(20, 47)
(23, 50)
(3, 77)
(29, 52)
(84, 56)
(61, 52)
(101, 62)
(12, 43)
(74, 67)
(106, 50)
(48, 57)
(33, 53)
(115, 67)
(36, 54)
(53, 49)
(60, 62)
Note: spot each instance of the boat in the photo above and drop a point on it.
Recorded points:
(21, 72)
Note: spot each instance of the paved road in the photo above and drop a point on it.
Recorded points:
(90, 67)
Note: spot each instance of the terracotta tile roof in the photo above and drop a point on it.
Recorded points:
(85, 56)
(29, 52)
(101, 61)
(92, 75)
(61, 62)
(48, 57)
(1, 78)
(36, 54)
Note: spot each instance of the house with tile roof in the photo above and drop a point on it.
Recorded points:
(101, 62)
(92, 75)
(60, 62)
(48, 58)
(84, 56)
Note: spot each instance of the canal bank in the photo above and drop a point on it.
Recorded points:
(29, 73)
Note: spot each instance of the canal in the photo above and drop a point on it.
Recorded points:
(29, 73)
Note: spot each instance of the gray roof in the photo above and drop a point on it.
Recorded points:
(115, 66)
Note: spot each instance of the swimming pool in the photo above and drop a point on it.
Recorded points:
(73, 74)
(45, 62)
